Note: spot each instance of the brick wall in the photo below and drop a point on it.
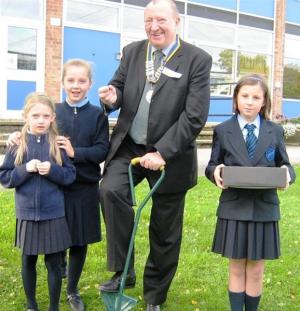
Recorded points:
(278, 57)
(53, 55)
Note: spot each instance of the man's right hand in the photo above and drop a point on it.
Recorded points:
(13, 139)
(107, 94)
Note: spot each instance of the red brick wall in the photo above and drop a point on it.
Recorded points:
(53, 55)
(278, 57)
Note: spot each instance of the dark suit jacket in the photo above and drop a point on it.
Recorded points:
(178, 109)
(229, 148)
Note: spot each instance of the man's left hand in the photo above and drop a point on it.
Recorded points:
(152, 161)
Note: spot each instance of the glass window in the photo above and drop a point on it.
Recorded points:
(133, 20)
(203, 31)
(229, 4)
(92, 13)
(221, 77)
(254, 63)
(22, 48)
(255, 40)
(31, 9)
(291, 78)
(292, 47)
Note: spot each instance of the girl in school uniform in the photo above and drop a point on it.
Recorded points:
(247, 229)
(38, 169)
(84, 130)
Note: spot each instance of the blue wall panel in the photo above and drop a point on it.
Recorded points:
(291, 109)
(258, 7)
(98, 47)
(16, 93)
(220, 109)
(228, 4)
(293, 11)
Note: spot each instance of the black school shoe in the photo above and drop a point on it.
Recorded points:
(153, 307)
(113, 284)
(75, 302)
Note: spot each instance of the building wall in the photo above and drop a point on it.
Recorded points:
(239, 34)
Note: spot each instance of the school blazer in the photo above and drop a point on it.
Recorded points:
(178, 109)
(229, 148)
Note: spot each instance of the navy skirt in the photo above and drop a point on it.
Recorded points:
(83, 213)
(42, 237)
(246, 239)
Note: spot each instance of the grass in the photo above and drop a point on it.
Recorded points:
(201, 279)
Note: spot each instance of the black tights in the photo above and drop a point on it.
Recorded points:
(77, 255)
(52, 262)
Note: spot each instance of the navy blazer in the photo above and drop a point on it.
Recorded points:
(229, 148)
(178, 110)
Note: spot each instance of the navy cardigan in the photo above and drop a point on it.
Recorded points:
(38, 197)
(87, 128)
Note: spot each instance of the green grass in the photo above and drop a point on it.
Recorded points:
(201, 279)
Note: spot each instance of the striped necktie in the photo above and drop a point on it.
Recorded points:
(251, 140)
(158, 56)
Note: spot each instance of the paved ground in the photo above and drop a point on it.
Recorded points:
(204, 155)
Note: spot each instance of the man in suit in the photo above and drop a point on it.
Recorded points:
(162, 90)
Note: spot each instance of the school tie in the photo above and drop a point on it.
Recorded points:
(251, 140)
(158, 55)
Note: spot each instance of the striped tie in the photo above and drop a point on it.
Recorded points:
(251, 140)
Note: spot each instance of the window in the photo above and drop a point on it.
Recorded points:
(291, 74)
(133, 21)
(255, 40)
(291, 78)
(93, 14)
(208, 32)
(222, 73)
(31, 9)
(254, 63)
(22, 44)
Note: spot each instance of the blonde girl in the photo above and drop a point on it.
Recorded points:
(37, 169)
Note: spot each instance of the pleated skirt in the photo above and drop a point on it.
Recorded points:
(246, 239)
(83, 213)
(42, 237)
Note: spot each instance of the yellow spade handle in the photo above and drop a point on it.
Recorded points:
(136, 161)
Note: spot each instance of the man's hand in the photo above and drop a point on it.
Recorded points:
(108, 94)
(43, 167)
(152, 161)
(13, 139)
(31, 166)
(64, 143)
(218, 176)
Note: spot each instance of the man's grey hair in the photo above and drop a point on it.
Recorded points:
(171, 2)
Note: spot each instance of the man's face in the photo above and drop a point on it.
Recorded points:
(160, 24)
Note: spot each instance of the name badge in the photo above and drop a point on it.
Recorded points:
(171, 73)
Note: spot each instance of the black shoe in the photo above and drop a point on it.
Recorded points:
(75, 302)
(113, 284)
(32, 308)
(153, 308)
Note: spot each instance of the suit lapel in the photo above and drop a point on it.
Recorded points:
(172, 64)
(237, 142)
(141, 73)
(264, 140)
